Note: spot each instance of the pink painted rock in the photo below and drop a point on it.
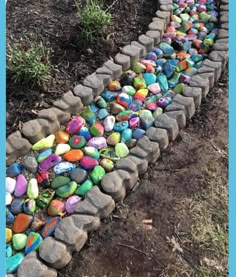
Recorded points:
(21, 185)
(88, 163)
(75, 125)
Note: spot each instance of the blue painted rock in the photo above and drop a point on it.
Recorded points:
(56, 207)
(10, 184)
(8, 198)
(89, 115)
(146, 119)
(43, 155)
(33, 243)
(33, 189)
(44, 143)
(109, 122)
(13, 262)
(97, 174)
(149, 78)
(63, 167)
(9, 251)
(107, 164)
(77, 142)
(78, 175)
(49, 162)
(94, 108)
(21, 223)
(9, 217)
(102, 113)
(71, 203)
(135, 105)
(88, 163)
(67, 190)
(158, 52)
(151, 56)
(84, 188)
(29, 206)
(98, 142)
(109, 95)
(124, 99)
(17, 206)
(169, 69)
(19, 241)
(126, 134)
(91, 152)
(166, 49)
(14, 170)
(21, 185)
(138, 133)
(97, 129)
(121, 126)
(84, 132)
(43, 178)
(50, 226)
(75, 125)
(122, 150)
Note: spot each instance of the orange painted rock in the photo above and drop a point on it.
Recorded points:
(74, 155)
(62, 137)
(21, 223)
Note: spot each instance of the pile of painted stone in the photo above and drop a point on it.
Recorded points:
(47, 185)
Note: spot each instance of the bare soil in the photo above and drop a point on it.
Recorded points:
(188, 174)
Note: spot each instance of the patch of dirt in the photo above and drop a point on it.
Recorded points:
(122, 246)
(58, 26)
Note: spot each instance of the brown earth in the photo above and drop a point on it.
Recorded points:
(58, 26)
(185, 196)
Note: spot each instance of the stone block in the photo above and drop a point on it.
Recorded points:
(34, 130)
(123, 60)
(222, 34)
(85, 94)
(126, 164)
(105, 78)
(87, 223)
(116, 69)
(213, 66)
(62, 116)
(51, 117)
(141, 164)
(167, 8)
(142, 48)
(147, 42)
(197, 81)
(169, 124)
(154, 35)
(225, 26)
(220, 46)
(195, 93)
(210, 76)
(132, 51)
(179, 116)
(94, 83)
(219, 56)
(165, 2)
(164, 15)
(158, 135)
(188, 103)
(224, 17)
(157, 26)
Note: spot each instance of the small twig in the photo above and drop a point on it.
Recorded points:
(133, 248)
(111, 5)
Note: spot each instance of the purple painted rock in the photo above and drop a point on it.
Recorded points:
(49, 162)
(75, 125)
(50, 226)
(134, 123)
(10, 184)
(88, 163)
(71, 203)
(21, 185)
(97, 142)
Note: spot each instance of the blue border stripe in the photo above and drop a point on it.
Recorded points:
(3, 132)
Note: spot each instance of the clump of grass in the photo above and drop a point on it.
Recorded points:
(28, 61)
(94, 19)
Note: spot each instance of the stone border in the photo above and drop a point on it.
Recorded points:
(72, 233)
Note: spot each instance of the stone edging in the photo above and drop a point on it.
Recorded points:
(72, 233)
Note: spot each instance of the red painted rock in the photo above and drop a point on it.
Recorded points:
(74, 155)
(21, 223)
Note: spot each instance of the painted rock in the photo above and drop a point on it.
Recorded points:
(98, 142)
(19, 241)
(164, 102)
(121, 126)
(42, 178)
(179, 89)
(17, 206)
(116, 108)
(37, 224)
(73, 155)
(63, 167)
(31, 164)
(158, 52)
(148, 62)
(107, 164)
(94, 108)
(44, 143)
(14, 170)
(45, 197)
(77, 142)
(169, 69)
(100, 102)
(62, 137)
(139, 83)
(138, 67)
(50, 226)
(154, 88)
(13, 262)
(8, 250)
(97, 129)
(43, 155)
(114, 138)
(146, 119)
(162, 80)
(150, 68)
(62, 148)
(109, 122)
(21, 223)
(122, 150)
(126, 135)
(97, 174)
(91, 152)
(67, 190)
(8, 235)
(88, 163)
(29, 206)
(75, 125)
(131, 143)
(102, 113)
(151, 106)
(114, 86)
(8, 198)
(56, 207)
(124, 99)
(138, 133)
(149, 78)
(10, 184)
(125, 115)
(134, 123)
(157, 112)
(84, 188)
(151, 56)
(110, 154)
(49, 162)
(9, 217)
(135, 105)
(109, 95)
(130, 90)
(166, 49)
(78, 175)
(33, 242)
(71, 203)
(84, 132)
(141, 94)
(33, 189)
(21, 185)
(89, 115)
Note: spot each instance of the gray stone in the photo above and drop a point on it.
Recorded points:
(220, 47)
(94, 83)
(69, 234)
(195, 93)
(142, 48)
(85, 93)
(224, 7)
(197, 81)
(210, 76)
(141, 164)
(179, 116)
(123, 60)
(129, 178)
(224, 17)
(161, 21)
(32, 267)
(165, 15)
(147, 42)
(157, 26)
(104, 70)
(215, 66)
(224, 2)
(116, 69)
(54, 253)
(62, 116)
(87, 223)
(30, 164)
(174, 106)
(33, 130)
(51, 117)
(158, 135)
(188, 103)
(132, 51)
(168, 7)
(154, 35)
(165, 2)
(222, 34)
(225, 26)
(126, 164)
(16, 146)
(105, 78)
(85, 207)
(219, 56)
(169, 124)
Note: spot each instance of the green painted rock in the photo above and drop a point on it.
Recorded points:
(107, 164)
(44, 143)
(179, 89)
(59, 181)
(157, 112)
(97, 174)
(33, 189)
(67, 190)
(91, 152)
(13, 262)
(97, 129)
(122, 150)
(138, 67)
(19, 241)
(84, 188)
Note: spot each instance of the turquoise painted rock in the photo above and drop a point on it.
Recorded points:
(59, 181)
(126, 135)
(166, 49)
(88, 163)
(146, 119)
(149, 78)
(67, 190)
(107, 164)
(97, 174)
(122, 150)
(102, 113)
(77, 142)
(44, 143)
(163, 82)
(14, 170)
(33, 242)
(84, 188)
(78, 175)
(43, 155)
(33, 189)
(63, 167)
(91, 152)
(29, 206)
(50, 226)
(13, 262)
(121, 126)
(19, 241)
(9, 251)
(109, 95)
